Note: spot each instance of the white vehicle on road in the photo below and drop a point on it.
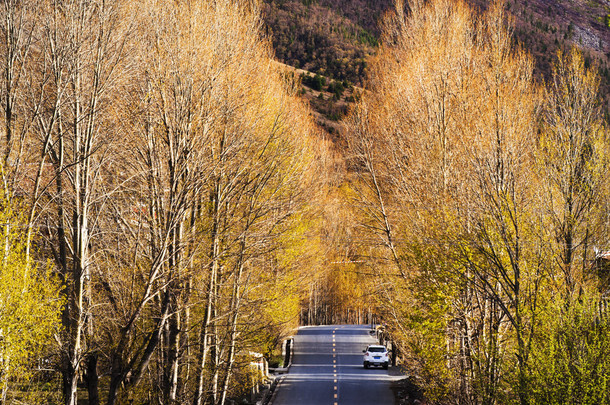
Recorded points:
(376, 355)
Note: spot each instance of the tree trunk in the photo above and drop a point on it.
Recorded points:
(235, 306)
(92, 379)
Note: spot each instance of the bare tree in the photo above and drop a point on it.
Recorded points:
(443, 150)
(572, 150)
(81, 54)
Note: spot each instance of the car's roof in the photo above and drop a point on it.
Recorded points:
(376, 346)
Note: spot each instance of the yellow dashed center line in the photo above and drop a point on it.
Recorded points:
(335, 366)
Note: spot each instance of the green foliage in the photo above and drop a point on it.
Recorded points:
(29, 309)
(337, 88)
(571, 355)
(366, 38)
(315, 82)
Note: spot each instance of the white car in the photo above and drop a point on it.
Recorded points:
(376, 355)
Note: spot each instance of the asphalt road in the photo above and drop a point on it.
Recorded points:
(327, 369)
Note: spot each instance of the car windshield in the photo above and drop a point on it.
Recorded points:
(376, 349)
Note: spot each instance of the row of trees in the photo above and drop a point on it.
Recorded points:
(161, 218)
(484, 199)
(158, 194)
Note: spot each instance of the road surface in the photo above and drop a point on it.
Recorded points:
(327, 370)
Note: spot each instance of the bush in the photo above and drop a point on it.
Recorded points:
(571, 358)
(316, 82)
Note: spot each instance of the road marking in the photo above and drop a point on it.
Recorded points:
(335, 388)
(335, 380)
(334, 361)
(335, 396)
(333, 345)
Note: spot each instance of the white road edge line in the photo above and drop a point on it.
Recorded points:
(277, 386)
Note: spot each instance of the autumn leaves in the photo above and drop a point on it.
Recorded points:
(173, 168)
(170, 173)
(485, 190)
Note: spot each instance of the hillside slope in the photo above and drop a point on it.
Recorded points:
(331, 38)
(544, 26)
(334, 38)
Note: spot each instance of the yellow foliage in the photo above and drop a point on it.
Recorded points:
(29, 308)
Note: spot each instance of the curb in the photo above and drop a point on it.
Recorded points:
(269, 396)
(279, 381)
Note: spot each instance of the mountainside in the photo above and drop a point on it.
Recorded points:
(544, 26)
(334, 38)
(331, 38)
